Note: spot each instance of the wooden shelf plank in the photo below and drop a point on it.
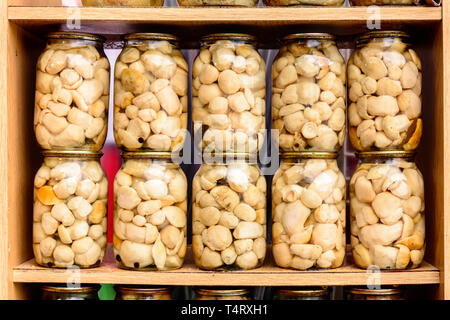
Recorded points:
(242, 16)
(267, 275)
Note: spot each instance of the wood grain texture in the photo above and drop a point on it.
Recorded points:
(189, 274)
(445, 290)
(3, 153)
(245, 16)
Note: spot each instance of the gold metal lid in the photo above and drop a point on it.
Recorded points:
(72, 154)
(84, 288)
(213, 157)
(386, 154)
(304, 291)
(311, 35)
(382, 34)
(309, 155)
(140, 289)
(377, 292)
(221, 292)
(76, 36)
(228, 36)
(147, 155)
(150, 36)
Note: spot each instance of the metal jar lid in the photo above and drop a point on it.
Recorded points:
(387, 154)
(304, 291)
(140, 289)
(229, 36)
(221, 292)
(309, 155)
(382, 34)
(76, 36)
(311, 35)
(84, 288)
(150, 36)
(79, 154)
(375, 292)
(147, 155)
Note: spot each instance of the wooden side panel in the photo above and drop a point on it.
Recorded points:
(35, 3)
(3, 153)
(445, 289)
(23, 153)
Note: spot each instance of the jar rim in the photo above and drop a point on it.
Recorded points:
(140, 289)
(378, 292)
(309, 35)
(386, 154)
(146, 155)
(228, 36)
(72, 154)
(221, 292)
(150, 36)
(229, 155)
(76, 36)
(309, 155)
(382, 34)
(305, 291)
(61, 289)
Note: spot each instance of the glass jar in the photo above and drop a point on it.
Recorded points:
(72, 93)
(150, 212)
(63, 292)
(150, 94)
(380, 2)
(123, 3)
(308, 212)
(302, 293)
(222, 294)
(228, 94)
(328, 3)
(137, 292)
(385, 293)
(70, 210)
(229, 214)
(308, 94)
(222, 3)
(387, 211)
(385, 93)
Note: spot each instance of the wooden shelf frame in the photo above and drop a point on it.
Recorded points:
(190, 275)
(20, 44)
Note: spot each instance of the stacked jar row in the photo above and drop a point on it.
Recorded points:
(151, 84)
(228, 94)
(229, 213)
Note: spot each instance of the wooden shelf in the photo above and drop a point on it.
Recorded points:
(246, 16)
(190, 275)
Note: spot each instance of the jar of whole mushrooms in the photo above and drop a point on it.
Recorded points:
(380, 2)
(278, 3)
(150, 212)
(229, 214)
(302, 293)
(150, 94)
(384, 293)
(308, 94)
(222, 294)
(387, 211)
(70, 210)
(72, 93)
(206, 3)
(228, 94)
(308, 212)
(137, 292)
(122, 3)
(65, 292)
(385, 93)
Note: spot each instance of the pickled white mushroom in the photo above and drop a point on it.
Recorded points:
(69, 213)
